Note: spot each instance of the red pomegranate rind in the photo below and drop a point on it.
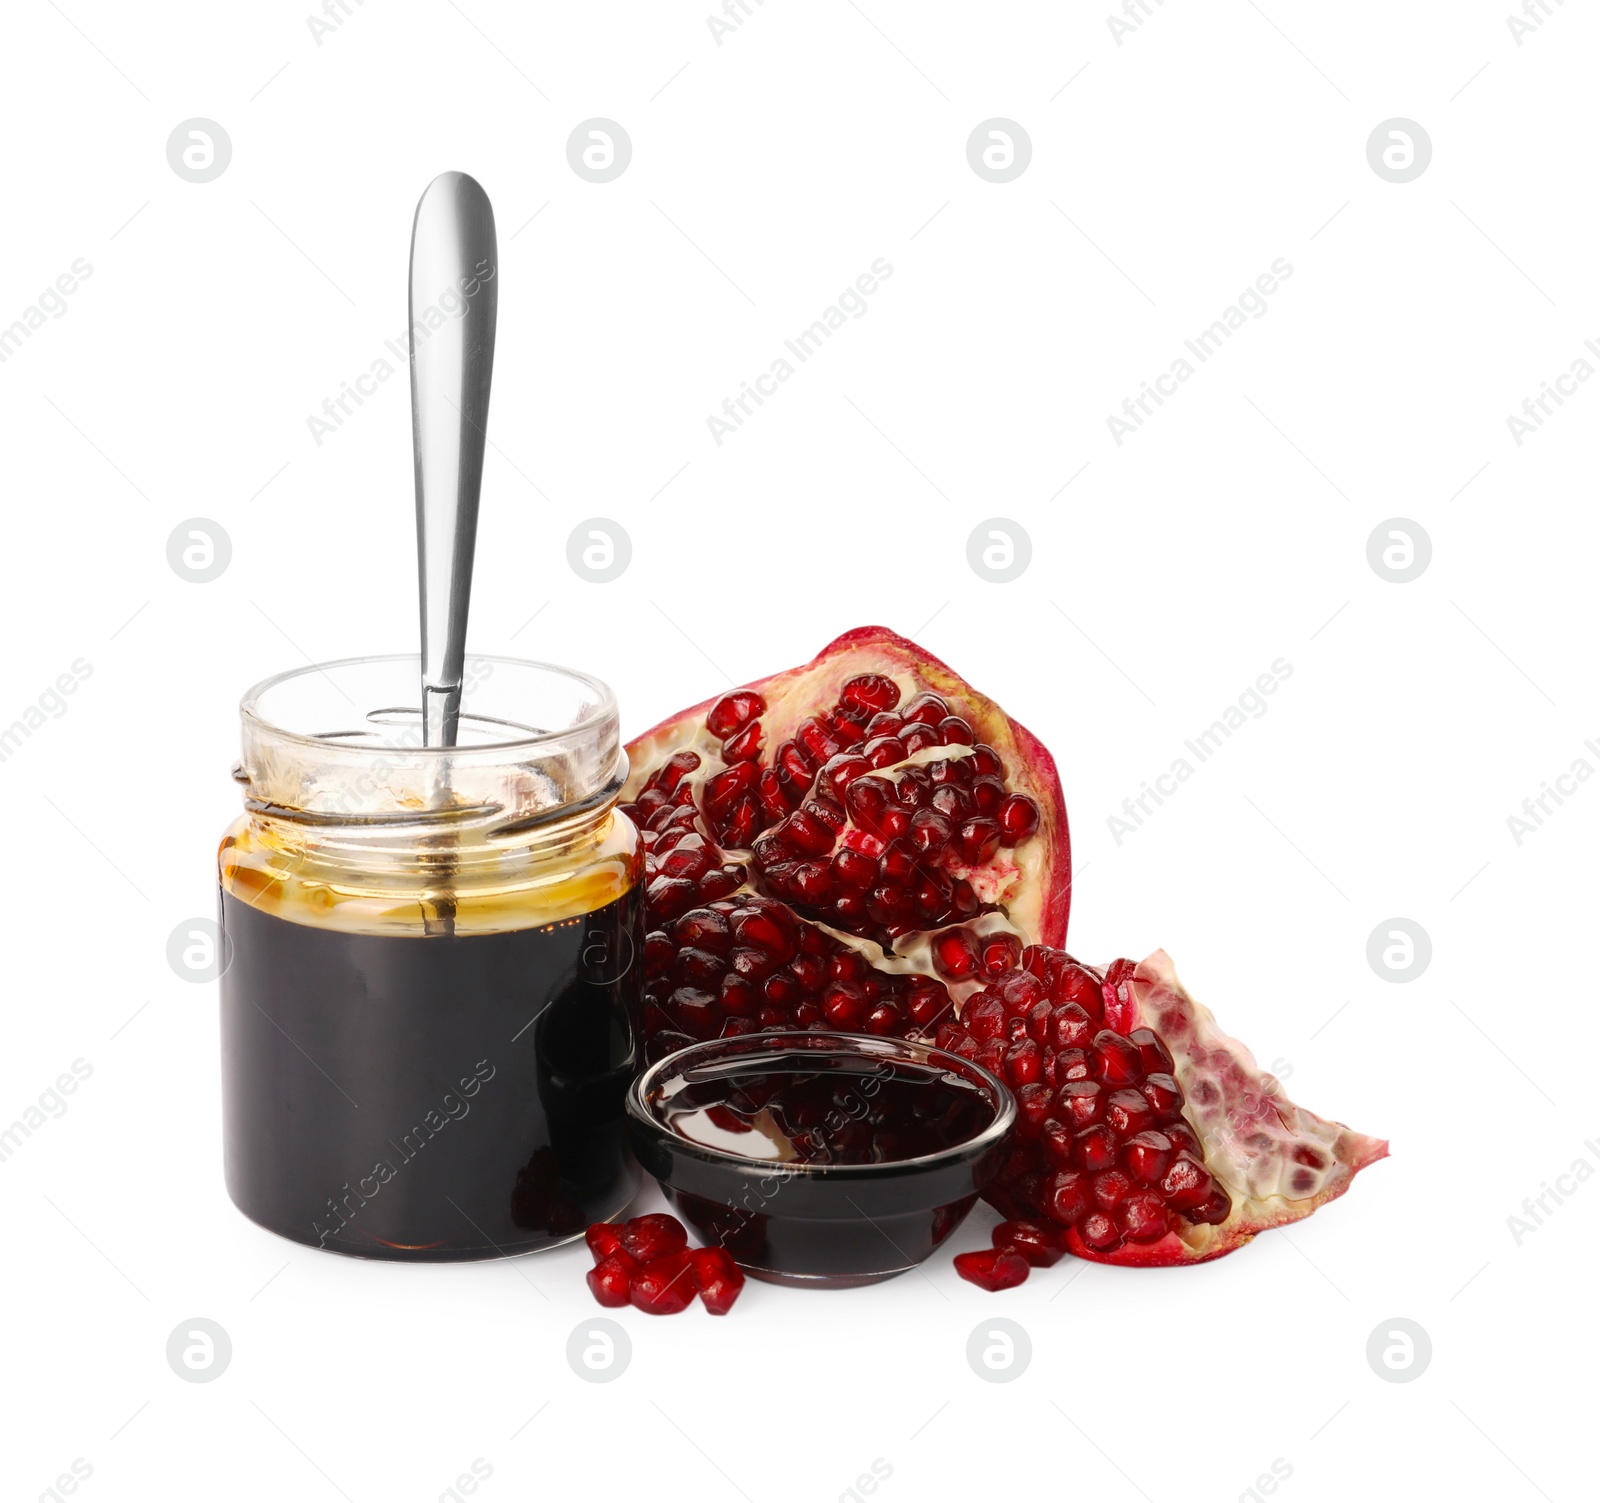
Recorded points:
(1010, 844)
(1277, 1161)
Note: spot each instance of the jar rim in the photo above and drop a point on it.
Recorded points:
(604, 708)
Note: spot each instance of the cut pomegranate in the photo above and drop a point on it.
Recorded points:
(1163, 1143)
(992, 1268)
(871, 791)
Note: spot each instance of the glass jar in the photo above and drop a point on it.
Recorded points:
(430, 996)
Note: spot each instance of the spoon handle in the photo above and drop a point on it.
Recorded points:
(453, 298)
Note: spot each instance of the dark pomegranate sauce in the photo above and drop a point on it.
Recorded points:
(851, 1111)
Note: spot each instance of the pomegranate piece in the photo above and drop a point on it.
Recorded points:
(992, 1268)
(871, 790)
(603, 1238)
(1162, 1143)
(717, 1277)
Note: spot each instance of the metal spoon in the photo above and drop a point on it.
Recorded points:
(454, 261)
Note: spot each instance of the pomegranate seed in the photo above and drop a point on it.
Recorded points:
(1038, 1022)
(1066, 1197)
(1186, 1184)
(1020, 991)
(1081, 1103)
(955, 954)
(663, 1286)
(739, 997)
(1040, 1245)
(717, 1277)
(1034, 1103)
(1143, 1217)
(925, 708)
(1019, 818)
(1127, 1112)
(1023, 1063)
(1073, 1066)
(870, 691)
(1055, 1142)
(992, 1268)
(854, 869)
(1162, 1092)
(745, 745)
(611, 1279)
(954, 803)
(1117, 1061)
(839, 772)
(1095, 1148)
(884, 1018)
(1110, 1189)
(604, 1238)
(1070, 1026)
(647, 1238)
(1155, 1055)
(884, 724)
(954, 731)
(1099, 1232)
(919, 738)
(998, 955)
(1182, 1139)
(695, 1011)
(699, 967)
(977, 840)
(1145, 1156)
(930, 831)
(913, 788)
(1213, 1210)
(732, 713)
(985, 1018)
(884, 751)
(987, 795)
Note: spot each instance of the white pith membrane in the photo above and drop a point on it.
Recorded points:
(1277, 1160)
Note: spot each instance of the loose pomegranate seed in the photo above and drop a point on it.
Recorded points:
(611, 1279)
(992, 1268)
(663, 1286)
(1040, 1245)
(647, 1238)
(604, 1239)
(717, 1277)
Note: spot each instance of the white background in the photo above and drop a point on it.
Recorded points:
(768, 172)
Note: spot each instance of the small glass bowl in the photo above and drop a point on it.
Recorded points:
(828, 1226)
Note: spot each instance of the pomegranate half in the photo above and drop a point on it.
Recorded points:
(807, 836)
